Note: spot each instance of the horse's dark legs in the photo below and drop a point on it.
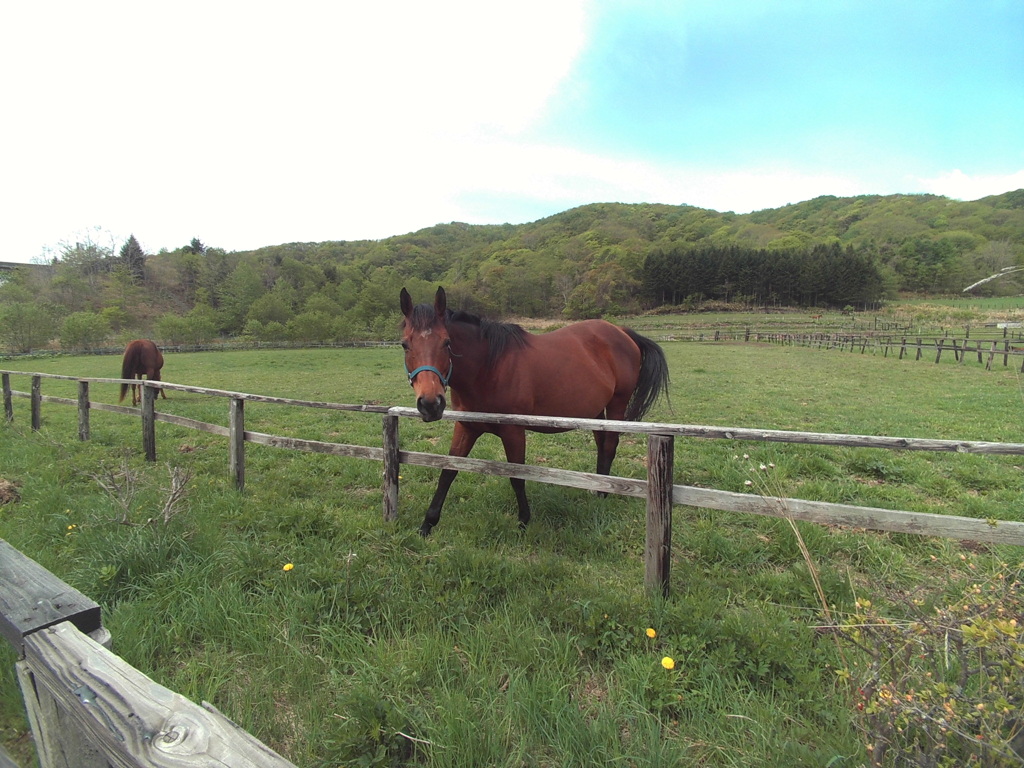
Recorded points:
(607, 445)
(514, 440)
(463, 440)
(433, 515)
(155, 376)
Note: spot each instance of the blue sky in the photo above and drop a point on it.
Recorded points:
(247, 124)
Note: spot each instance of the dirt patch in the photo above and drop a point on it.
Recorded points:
(8, 492)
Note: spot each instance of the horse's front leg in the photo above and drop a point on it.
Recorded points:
(514, 440)
(463, 439)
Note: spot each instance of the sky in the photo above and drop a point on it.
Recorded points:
(247, 124)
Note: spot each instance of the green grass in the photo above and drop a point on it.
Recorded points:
(486, 646)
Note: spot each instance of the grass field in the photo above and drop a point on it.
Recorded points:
(486, 646)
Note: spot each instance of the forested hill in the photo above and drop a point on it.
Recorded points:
(595, 254)
(596, 259)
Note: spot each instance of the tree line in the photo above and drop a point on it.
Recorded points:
(821, 276)
(595, 260)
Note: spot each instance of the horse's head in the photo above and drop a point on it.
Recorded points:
(428, 355)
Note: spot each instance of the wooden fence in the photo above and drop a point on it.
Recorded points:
(658, 488)
(70, 677)
(987, 350)
(87, 707)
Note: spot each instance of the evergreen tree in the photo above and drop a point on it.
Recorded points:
(133, 259)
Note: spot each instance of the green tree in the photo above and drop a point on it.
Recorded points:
(311, 326)
(133, 260)
(269, 308)
(84, 330)
(243, 287)
(200, 325)
(171, 328)
(195, 247)
(25, 326)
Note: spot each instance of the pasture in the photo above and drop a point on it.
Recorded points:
(486, 646)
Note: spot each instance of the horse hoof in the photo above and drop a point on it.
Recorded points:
(425, 530)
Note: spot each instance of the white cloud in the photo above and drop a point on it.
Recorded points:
(962, 186)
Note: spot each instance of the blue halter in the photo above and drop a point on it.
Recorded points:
(444, 378)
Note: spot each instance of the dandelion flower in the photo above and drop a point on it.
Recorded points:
(668, 662)
(72, 527)
(651, 633)
(287, 567)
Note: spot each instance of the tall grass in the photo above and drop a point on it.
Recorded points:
(486, 646)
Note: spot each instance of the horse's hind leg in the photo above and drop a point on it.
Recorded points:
(607, 445)
(154, 375)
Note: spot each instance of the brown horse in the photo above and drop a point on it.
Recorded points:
(591, 369)
(141, 358)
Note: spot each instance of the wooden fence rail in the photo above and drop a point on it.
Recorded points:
(87, 707)
(656, 576)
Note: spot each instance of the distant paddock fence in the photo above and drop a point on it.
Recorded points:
(658, 489)
(987, 350)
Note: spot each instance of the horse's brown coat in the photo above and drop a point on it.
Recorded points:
(591, 369)
(141, 358)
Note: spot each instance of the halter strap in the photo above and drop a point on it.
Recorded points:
(444, 378)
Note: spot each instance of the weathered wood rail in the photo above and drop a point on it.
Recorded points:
(87, 707)
(658, 488)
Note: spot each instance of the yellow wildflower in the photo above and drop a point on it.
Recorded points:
(651, 633)
(287, 567)
(668, 662)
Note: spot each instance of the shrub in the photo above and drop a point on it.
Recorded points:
(946, 687)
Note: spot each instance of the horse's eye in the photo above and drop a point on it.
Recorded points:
(448, 344)
(405, 345)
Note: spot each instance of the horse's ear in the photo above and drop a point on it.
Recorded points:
(406, 302)
(440, 301)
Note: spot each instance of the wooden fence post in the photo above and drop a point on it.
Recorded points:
(8, 398)
(236, 441)
(37, 402)
(658, 548)
(391, 467)
(83, 410)
(149, 422)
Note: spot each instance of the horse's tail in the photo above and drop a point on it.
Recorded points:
(653, 380)
(128, 367)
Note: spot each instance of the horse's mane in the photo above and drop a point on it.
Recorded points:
(498, 336)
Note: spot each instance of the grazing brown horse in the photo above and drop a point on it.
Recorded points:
(141, 358)
(591, 369)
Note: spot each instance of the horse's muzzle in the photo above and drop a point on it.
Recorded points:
(431, 410)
